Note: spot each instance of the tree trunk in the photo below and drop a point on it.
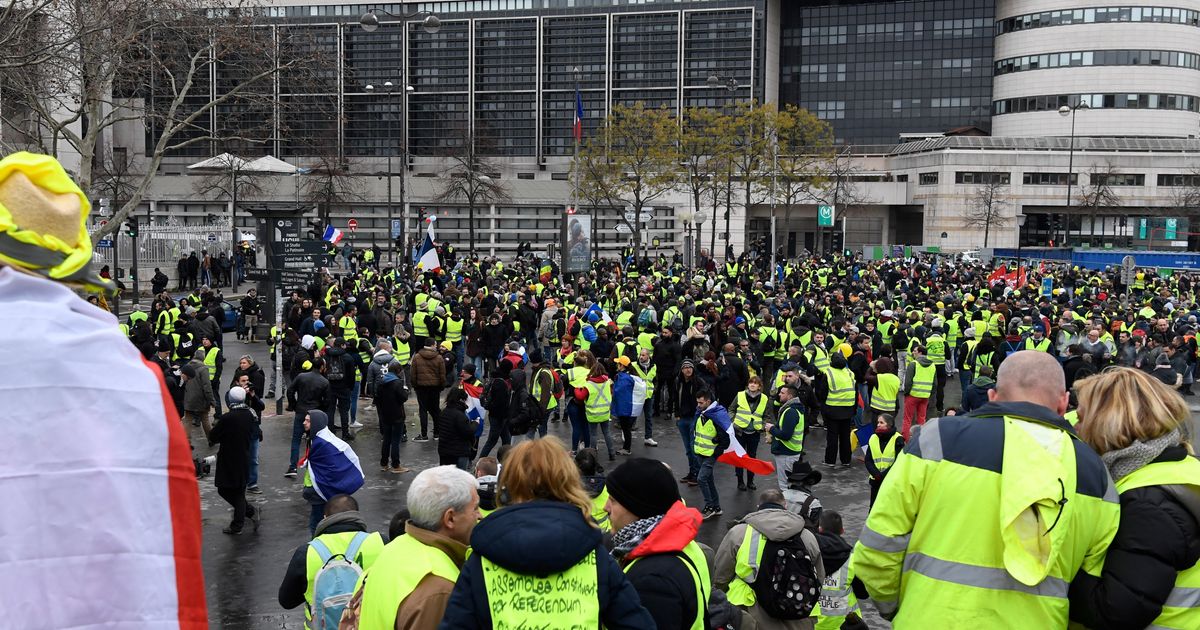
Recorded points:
(987, 228)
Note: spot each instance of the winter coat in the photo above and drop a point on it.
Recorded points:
(687, 393)
(295, 579)
(197, 392)
(207, 326)
(976, 395)
(667, 355)
(661, 576)
(377, 369)
(498, 395)
(835, 551)
(390, 397)
(334, 355)
(428, 369)
(622, 390)
(1159, 536)
(258, 378)
(541, 538)
(456, 432)
(312, 392)
(494, 336)
(233, 431)
(732, 377)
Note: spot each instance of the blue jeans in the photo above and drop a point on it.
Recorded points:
(606, 431)
(541, 428)
(459, 361)
(297, 435)
(687, 428)
(964, 379)
(550, 354)
(708, 487)
(647, 412)
(315, 516)
(354, 402)
(254, 443)
(579, 430)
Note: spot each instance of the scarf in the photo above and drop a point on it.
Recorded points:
(1123, 461)
(632, 535)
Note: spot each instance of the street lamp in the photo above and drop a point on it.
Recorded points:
(1067, 110)
(1020, 225)
(370, 20)
(389, 89)
(731, 85)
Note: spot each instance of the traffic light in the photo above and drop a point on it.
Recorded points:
(837, 242)
(131, 228)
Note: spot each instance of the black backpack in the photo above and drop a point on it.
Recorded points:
(787, 586)
(337, 369)
(528, 413)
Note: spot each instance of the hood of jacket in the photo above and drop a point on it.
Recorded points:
(334, 353)
(389, 377)
(677, 528)
(776, 523)
(318, 420)
(983, 382)
(539, 537)
(923, 360)
(517, 379)
(602, 378)
(349, 521)
(430, 354)
(835, 551)
(383, 357)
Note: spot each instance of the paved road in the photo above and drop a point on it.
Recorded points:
(243, 573)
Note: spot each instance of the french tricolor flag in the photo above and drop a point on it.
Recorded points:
(332, 235)
(475, 411)
(578, 116)
(333, 465)
(735, 455)
(427, 257)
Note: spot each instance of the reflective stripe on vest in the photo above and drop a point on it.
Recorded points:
(569, 599)
(935, 348)
(745, 568)
(647, 376)
(747, 418)
(841, 388)
(1182, 607)
(819, 358)
(886, 390)
(704, 441)
(923, 377)
(693, 557)
(883, 456)
(536, 388)
(401, 351)
(837, 600)
(400, 567)
(598, 406)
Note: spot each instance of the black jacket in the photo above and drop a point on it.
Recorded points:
(390, 397)
(233, 431)
(456, 432)
(667, 355)
(312, 392)
(1158, 537)
(258, 378)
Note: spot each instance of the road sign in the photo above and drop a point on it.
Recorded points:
(258, 274)
(104, 243)
(646, 217)
(298, 248)
(395, 228)
(212, 237)
(103, 223)
(825, 216)
(352, 224)
(1128, 269)
(1047, 287)
(306, 262)
(285, 276)
(1171, 225)
(622, 229)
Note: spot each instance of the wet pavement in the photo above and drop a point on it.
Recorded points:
(242, 573)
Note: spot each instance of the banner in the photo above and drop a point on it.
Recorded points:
(579, 243)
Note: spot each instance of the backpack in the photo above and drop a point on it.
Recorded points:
(770, 342)
(337, 370)
(645, 318)
(786, 585)
(333, 586)
(528, 414)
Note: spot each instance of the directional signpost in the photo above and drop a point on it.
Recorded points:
(1128, 271)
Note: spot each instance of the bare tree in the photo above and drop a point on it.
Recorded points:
(232, 184)
(988, 207)
(88, 66)
(837, 185)
(470, 177)
(327, 183)
(1099, 193)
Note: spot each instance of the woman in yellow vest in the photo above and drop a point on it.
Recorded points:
(540, 562)
(1151, 577)
(750, 410)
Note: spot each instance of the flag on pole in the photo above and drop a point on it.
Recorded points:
(475, 410)
(578, 116)
(332, 235)
(427, 258)
(735, 454)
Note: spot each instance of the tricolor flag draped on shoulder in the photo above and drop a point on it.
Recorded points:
(332, 465)
(475, 410)
(735, 454)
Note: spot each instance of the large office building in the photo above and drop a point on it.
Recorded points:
(934, 100)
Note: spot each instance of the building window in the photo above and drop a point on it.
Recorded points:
(902, 178)
(1047, 103)
(1168, 58)
(1049, 179)
(928, 179)
(981, 177)
(830, 110)
(1119, 179)
(1179, 179)
(1098, 15)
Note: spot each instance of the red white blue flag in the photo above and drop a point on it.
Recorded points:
(578, 116)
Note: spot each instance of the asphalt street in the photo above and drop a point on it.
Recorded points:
(242, 573)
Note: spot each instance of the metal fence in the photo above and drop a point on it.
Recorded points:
(160, 246)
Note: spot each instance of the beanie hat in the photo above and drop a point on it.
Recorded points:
(643, 486)
(236, 395)
(188, 371)
(536, 356)
(687, 363)
(307, 342)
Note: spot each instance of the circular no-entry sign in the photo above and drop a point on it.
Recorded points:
(352, 224)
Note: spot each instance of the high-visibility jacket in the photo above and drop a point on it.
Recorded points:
(598, 406)
(646, 340)
(420, 326)
(581, 339)
(1040, 346)
(993, 324)
(980, 328)
(884, 397)
(577, 607)
(923, 379)
(704, 440)
(747, 418)
(818, 356)
(963, 532)
(401, 350)
(210, 359)
(398, 569)
(535, 388)
(837, 599)
(454, 328)
(745, 568)
(982, 360)
(599, 514)
(770, 332)
(952, 332)
(365, 551)
(886, 331)
(883, 455)
(646, 375)
(693, 558)
(1182, 608)
(577, 376)
(841, 388)
(935, 348)
(349, 328)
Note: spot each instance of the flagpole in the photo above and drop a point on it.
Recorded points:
(575, 160)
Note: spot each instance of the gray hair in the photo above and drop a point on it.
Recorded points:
(436, 490)
(383, 345)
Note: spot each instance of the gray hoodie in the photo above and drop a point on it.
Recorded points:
(910, 372)
(376, 370)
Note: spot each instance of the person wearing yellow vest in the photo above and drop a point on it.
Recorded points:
(648, 372)
(654, 542)
(918, 387)
(540, 561)
(214, 359)
(884, 446)
(839, 397)
(454, 334)
(936, 350)
(1032, 506)
(839, 602)
(595, 395)
(411, 580)
(349, 325)
(787, 438)
(740, 556)
(1151, 578)
(341, 531)
(751, 411)
(885, 387)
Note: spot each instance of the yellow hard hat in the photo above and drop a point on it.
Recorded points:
(845, 350)
(940, 305)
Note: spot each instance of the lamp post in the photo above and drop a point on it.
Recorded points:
(1020, 224)
(1068, 110)
(731, 85)
(389, 89)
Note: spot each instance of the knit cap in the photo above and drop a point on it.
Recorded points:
(643, 486)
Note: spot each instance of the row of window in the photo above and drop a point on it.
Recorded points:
(1099, 58)
(1052, 102)
(1098, 15)
(1060, 179)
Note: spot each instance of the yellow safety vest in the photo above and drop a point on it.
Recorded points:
(454, 328)
(598, 406)
(420, 328)
(349, 328)
(564, 600)
(819, 357)
(837, 600)
(745, 568)
(704, 441)
(599, 514)
(883, 456)
(647, 376)
(536, 389)
(746, 418)
(401, 351)
(884, 397)
(400, 567)
(935, 348)
(841, 388)
(886, 330)
(1182, 609)
(369, 548)
(698, 567)
(210, 359)
(923, 377)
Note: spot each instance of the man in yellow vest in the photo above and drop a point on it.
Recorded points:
(1031, 504)
(342, 531)
(740, 556)
(411, 582)
(918, 387)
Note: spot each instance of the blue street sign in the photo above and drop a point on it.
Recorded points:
(395, 228)
(104, 243)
